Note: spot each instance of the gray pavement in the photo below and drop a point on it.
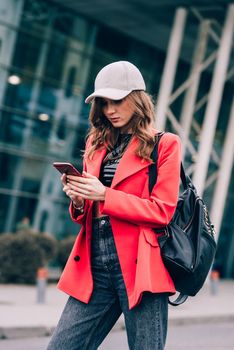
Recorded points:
(204, 336)
(21, 315)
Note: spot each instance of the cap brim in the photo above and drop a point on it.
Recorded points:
(113, 94)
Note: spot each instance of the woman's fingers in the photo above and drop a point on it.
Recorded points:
(88, 176)
(64, 179)
(83, 188)
(66, 188)
(81, 179)
(75, 189)
(76, 186)
(72, 191)
(75, 178)
(79, 192)
(88, 187)
(73, 182)
(75, 195)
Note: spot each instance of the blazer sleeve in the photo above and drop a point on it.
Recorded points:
(157, 210)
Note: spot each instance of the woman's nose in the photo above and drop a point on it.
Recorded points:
(110, 107)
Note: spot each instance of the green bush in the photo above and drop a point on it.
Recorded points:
(48, 244)
(20, 257)
(64, 249)
(22, 254)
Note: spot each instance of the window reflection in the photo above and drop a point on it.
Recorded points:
(8, 166)
(27, 52)
(48, 69)
(18, 95)
(12, 126)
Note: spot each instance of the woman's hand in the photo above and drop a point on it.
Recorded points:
(86, 187)
(78, 201)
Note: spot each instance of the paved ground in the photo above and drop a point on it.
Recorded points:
(22, 316)
(217, 336)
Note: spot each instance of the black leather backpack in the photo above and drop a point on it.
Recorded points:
(187, 243)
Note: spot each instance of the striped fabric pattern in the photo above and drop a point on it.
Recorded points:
(112, 159)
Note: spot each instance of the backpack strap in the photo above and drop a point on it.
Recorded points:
(153, 167)
(152, 181)
(179, 300)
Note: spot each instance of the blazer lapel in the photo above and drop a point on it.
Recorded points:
(94, 165)
(129, 164)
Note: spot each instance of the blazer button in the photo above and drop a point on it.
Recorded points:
(77, 258)
(136, 261)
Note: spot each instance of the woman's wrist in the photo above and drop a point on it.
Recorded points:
(78, 207)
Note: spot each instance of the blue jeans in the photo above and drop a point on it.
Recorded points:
(84, 326)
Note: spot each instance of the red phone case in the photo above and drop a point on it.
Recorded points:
(66, 168)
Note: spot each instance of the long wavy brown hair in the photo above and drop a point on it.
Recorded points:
(103, 134)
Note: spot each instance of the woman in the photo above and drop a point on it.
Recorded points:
(115, 265)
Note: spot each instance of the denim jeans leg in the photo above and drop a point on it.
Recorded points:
(84, 326)
(146, 324)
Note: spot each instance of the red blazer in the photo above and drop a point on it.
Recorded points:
(133, 213)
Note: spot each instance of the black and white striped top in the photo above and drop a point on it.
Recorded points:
(112, 159)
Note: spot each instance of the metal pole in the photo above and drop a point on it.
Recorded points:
(212, 110)
(225, 170)
(195, 73)
(42, 276)
(169, 71)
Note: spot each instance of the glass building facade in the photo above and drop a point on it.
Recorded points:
(49, 57)
(48, 63)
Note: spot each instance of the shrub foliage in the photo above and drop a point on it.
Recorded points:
(22, 254)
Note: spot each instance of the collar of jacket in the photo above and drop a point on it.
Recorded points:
(129, 164)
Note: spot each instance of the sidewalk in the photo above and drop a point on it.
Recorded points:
(22, 316)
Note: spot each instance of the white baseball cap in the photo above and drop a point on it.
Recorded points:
(116, 80)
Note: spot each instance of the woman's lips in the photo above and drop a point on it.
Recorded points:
(114, 120)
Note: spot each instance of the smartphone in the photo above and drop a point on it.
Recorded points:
(66, 168)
